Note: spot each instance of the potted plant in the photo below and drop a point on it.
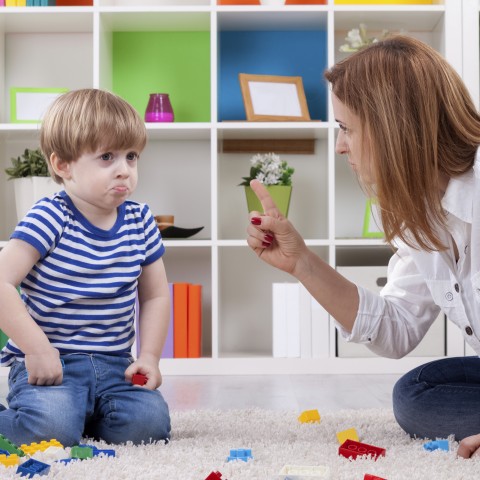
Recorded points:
(31, 178)
(276, 175)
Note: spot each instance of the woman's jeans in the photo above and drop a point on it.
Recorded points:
(94, 400)
(440, 398)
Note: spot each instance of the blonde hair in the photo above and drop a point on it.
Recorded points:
(84, 121)
(420, 122)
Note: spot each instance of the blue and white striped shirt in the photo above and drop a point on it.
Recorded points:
(82, 290)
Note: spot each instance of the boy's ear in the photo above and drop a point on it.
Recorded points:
(59, 166)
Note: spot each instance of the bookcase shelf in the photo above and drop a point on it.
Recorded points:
(194, 50)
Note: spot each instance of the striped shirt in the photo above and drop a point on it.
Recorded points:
(82, 290)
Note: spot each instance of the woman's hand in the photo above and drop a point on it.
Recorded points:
(469, 447)
(271, 236)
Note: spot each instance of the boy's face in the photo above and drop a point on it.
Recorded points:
(103, 179)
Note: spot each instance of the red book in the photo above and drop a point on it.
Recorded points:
(180, 320)
(194, 321)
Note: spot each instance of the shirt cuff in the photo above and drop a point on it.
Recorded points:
(370, 308)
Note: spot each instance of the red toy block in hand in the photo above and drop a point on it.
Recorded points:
(369, 476)
(139, 379)
(353, 449)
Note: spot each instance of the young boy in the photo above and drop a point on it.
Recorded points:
(80, 257)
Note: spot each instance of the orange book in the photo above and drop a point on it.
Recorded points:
(180, 320)
(194, 321)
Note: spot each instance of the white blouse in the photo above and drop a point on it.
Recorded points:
(421, 283)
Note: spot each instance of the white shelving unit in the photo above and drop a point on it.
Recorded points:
(184, 170)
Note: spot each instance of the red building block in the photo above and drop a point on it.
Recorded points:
(215, 476)
(369, 476)
(139, 379)
(353, 449)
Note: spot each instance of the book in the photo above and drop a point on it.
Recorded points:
(279, 321)
(320, 330)
(194, 330)
(305, 321)
(180, 320)
(293, 319)
(167, 351)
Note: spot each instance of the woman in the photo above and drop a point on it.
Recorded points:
(410, 132)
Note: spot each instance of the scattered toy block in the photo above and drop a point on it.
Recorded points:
(51, 454)
(98, 452)
(350, 434)
(42, 446)
(243, 454)
(215, 476)
(293, 472)
(33, 467)
(139, 379)
(309, 416)
(81, 453)
(437, 445)
(6, 444)
(369, 476)
(353, 449)
(9, 460)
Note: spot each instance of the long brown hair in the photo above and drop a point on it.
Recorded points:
(421, 124)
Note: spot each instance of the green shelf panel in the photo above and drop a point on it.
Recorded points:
(177, 63)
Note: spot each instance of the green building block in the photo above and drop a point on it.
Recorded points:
(81, 453)
(6, 444)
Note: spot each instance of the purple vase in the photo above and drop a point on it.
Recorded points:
(159, 108)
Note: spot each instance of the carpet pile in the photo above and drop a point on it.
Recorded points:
(202, 439)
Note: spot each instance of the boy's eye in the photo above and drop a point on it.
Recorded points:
(132, 156)
(106, 156)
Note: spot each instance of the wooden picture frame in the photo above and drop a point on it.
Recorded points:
(28, 105)
(372, 223)
(270, 98)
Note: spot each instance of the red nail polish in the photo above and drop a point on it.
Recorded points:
(268, 238)
(256, 221)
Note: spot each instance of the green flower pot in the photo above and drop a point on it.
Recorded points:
(280, 194)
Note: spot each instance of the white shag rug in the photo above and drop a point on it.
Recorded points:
(202, 439)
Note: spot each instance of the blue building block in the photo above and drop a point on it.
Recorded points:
(97, 451)
(437, 445)
(33, 467)
(243, 454)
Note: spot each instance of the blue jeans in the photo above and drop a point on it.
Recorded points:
(94, 400)
(440, 398)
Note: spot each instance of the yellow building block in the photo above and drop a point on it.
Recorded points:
(309, 416)
(350, 434)
(9, 460)
(42, 446)
(15, 3)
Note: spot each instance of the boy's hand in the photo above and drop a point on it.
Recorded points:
(147, 367)
(44, 368)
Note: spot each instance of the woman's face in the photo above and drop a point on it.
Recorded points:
(350, 141)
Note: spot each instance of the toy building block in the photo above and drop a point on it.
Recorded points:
(215, 476)
(350, 434)
(139, 379)
(437, 445)
(81, 453)
(309, 416)
(6, 444)
(42, 446)
(353, 449)
(243, 454)
(98, 452)
(51, 454)
(33, 467)
(9, 460)
(369, 476)
(291, 472)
